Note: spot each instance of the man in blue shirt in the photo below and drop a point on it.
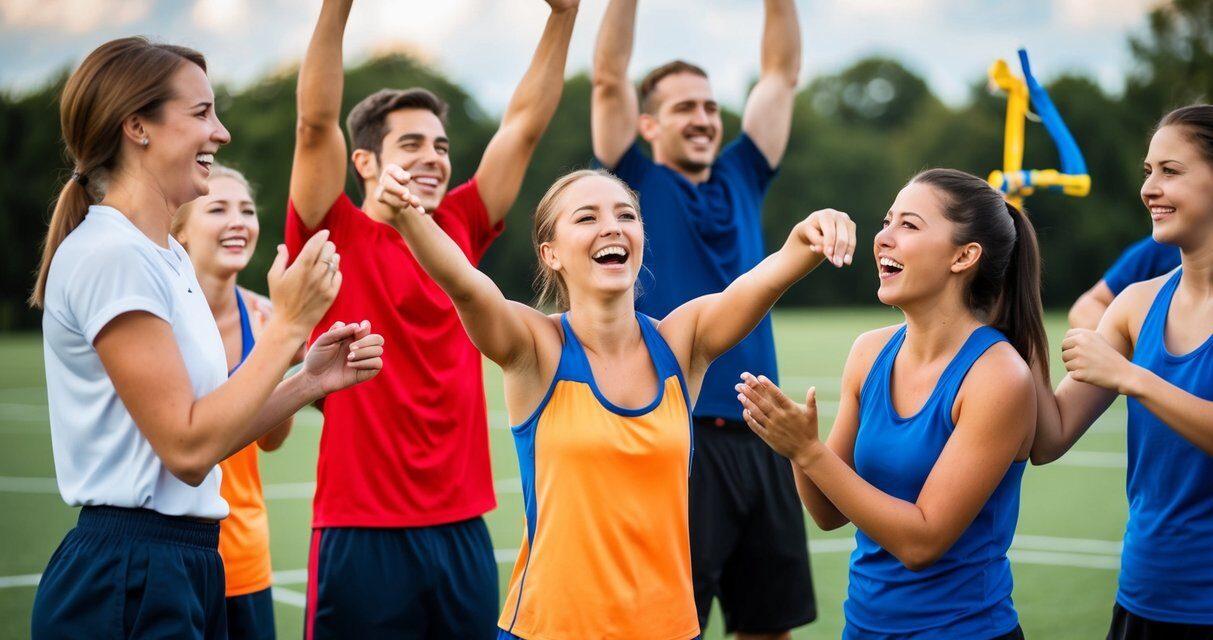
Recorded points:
(702, 216)
(1143, 260)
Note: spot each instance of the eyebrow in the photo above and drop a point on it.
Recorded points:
(418, 137)
(204, 103)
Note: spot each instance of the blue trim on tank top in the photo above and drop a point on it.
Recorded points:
(1162, 305)
(246, 332)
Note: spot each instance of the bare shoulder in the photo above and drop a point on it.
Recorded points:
(1000, 370)
(868, 345)
(1128, 310)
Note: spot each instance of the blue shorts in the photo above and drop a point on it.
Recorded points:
(133, 573)
(423, 582)
(251, 616)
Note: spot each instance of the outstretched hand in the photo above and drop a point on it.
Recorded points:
(830, 233)
(1091, 359)
(302, 292)
(343, 356)
(787, 427)
(393, 193)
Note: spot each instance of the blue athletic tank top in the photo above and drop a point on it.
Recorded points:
(246, 332)
(967, 593)
(1166, 568)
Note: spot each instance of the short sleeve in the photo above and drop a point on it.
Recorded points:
(340, 221)
(744, 158)
(463, 207)
(631, 168)
(114, 281)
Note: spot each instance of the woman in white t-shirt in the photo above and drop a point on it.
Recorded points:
(141, 407)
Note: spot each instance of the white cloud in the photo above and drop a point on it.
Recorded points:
(1109, 14)
(228, 17)
(72, 17)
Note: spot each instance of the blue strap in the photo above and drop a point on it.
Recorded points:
(246, 332)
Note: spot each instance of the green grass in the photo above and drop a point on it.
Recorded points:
(1072, 513)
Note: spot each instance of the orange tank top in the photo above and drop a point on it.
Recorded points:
(606, 552)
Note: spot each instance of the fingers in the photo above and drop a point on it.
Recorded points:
(279, 265)
(392, 192)
(829, 235)
(758, 398)
(844, 243)
(313, 247)
(338, 332)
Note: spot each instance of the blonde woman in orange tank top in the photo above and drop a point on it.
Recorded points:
(219, 231)
(601, 396)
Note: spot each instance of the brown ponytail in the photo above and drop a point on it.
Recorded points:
(120, 78)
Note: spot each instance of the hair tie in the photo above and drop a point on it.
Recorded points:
(81, 178)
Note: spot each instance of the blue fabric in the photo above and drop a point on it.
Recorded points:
(246, 330)
(1142, 260)
(133, 573)
(1166, 568)
(967, 592)
(699, 239)
(423, 582)
(251, 616)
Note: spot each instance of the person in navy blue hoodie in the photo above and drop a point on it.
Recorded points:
(1155, 346)
(935, 420)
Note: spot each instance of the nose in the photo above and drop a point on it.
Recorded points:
(700, 117)
(1150, 187)
(611, 227)
(221, 134)
(884, 238)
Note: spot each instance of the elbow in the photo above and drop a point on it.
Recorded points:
(1041, 457)
(191, 473)
(827, 522)
(919, 556)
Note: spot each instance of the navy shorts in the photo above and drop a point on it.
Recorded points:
(251, 616)
(748, 543)
(423, 582)
(133, 573)
(1127, 625)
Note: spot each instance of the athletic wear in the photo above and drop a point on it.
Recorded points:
(605, 491)
(967, 592)
(701, 238)
(244, 536)
(1128, 626)
(132, 573)
(104, 268)
(1142, 260)
(251, 616)
(1166, 567)
(429, 582)
(747, 550)
(410, 447)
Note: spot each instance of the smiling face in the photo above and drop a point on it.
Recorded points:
(183, 138)
(1178, 188)
(220, 229)
(915, 253)
(685, 126)
(597, 239)
(416, 141)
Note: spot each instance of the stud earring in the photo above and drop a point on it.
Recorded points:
(144, 141)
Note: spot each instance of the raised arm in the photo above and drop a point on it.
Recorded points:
(614, 110)
(717, 322)
(501, 329)
(499, 176)
(991, 429)
(318, 170)
(768, 111)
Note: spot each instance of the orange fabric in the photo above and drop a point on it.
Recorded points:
(244, 536)
(611, 552)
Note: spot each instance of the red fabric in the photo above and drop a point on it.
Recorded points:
(410, 447)
(313, 586)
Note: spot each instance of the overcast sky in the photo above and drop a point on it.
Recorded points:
(485, 44)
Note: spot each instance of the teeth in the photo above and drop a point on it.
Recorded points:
(205, 158)
(1161, 210)
(429, 182)
(610, 251)
(700, 139)
(889, 262)
(233, 242)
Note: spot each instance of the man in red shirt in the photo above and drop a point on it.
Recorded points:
(399, 547)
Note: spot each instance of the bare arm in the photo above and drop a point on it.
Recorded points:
(614, 109)
(501, 329)
(990, 430)
(1090, 306)
(503, 166)
(318, 170)
(719, 321)
(767, 119)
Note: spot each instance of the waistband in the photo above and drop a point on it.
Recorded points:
(146, 524)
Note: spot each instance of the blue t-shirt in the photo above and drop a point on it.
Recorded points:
(1166, 566)
(699, 238)
(1143, 260)
(967, 592)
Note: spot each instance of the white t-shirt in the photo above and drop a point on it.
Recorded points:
(104, 268)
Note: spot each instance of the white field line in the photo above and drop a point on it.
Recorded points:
(1094, 459)
(1026, 549)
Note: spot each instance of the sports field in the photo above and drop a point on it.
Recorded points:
(1064, 557)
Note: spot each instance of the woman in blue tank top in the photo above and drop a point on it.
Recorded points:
(1155, 345)
(935, 421)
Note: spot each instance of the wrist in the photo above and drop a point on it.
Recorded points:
(280, 331)
(810, 455)
(1134, 383)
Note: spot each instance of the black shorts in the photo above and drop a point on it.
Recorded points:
(251, 616)
(1127, 625)
(748, 543)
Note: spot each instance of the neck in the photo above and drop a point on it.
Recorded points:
(605, 326)
(142, 201)
(220, 291)
(1197, 264)
(374, 209)
(936, 327)
(695, 177)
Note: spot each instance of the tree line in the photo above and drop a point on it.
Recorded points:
(857, 137)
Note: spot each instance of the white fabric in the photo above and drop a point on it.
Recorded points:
(104, 268)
